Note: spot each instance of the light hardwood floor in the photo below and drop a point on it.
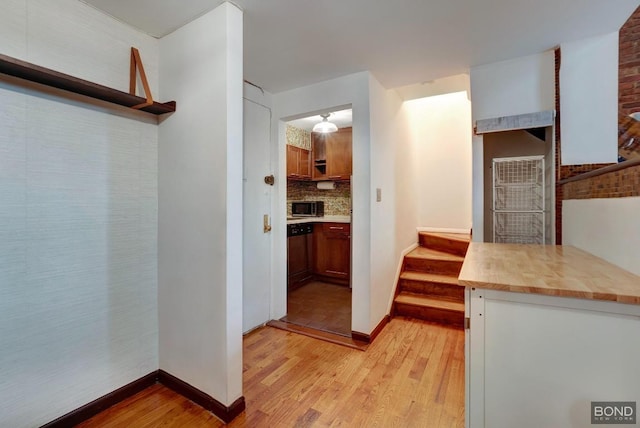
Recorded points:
(411, 376)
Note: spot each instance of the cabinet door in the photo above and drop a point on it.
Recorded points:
(298, 160)
(292, 161)
(333, 250)
(299, 255)
(304, 164)
(339, 154)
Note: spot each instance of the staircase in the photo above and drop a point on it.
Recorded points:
(428, 285)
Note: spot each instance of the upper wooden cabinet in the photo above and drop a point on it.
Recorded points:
(331, 155)
(298, 163)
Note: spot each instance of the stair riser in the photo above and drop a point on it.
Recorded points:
(432, 288)
(442, 267)
(450, 246)
(441, 316)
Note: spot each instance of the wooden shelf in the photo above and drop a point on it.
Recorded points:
(34, 73)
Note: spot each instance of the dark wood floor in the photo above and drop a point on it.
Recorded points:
(321, 306)
(412, 375)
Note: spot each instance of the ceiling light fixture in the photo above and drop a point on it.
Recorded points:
(325, 126)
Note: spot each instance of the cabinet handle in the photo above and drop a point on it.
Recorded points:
(336, 227)
(336, 272)
(335, 177)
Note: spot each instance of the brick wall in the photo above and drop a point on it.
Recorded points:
(569, 171)
(617, 184)
(629, 70)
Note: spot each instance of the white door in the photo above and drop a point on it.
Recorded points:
(256, 258)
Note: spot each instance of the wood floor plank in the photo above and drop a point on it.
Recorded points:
(411, 376)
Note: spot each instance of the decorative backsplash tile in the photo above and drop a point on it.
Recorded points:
(336, 201)
(298, 137)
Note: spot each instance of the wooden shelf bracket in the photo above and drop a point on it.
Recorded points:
(44, 76)
(134, 66)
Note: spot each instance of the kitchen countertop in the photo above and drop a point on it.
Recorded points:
(324, 219)
(547, 269)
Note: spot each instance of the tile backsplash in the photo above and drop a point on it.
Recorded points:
(336, 201)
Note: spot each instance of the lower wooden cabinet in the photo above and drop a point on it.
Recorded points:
(332, 251)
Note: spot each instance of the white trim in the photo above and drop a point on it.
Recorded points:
(442, 230)
(404, 252)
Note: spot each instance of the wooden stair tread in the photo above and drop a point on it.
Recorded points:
(424, 301)
(462, 237)
(428, 253)
(412, 275)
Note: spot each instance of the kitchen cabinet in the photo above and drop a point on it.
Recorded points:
(332, 155)
(332, 246)
(298, 163)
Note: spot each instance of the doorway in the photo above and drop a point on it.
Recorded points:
(519, 145)
(318, 194)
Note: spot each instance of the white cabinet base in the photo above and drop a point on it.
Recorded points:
(538, 361)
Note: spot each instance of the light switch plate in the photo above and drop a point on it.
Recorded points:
(378, 195)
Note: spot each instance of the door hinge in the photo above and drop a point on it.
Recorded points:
(467, 323)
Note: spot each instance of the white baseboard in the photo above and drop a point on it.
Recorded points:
(442, 230)
(398, 270)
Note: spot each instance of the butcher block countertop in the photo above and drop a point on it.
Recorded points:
(553, 270)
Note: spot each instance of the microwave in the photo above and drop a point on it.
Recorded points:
(307, 209)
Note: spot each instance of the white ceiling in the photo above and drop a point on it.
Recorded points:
(342, 119)
(292, 43)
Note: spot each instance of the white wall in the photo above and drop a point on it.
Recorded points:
(445, 85)
(388, 137)
(200, 204)
(517, 86)
(507, 88)
(607, 228)
(351, 90)
(440, 128)
(589, 100)
(407, 189)
(78, 217)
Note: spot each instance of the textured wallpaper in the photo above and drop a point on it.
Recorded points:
(78, 218)
(298, 137)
